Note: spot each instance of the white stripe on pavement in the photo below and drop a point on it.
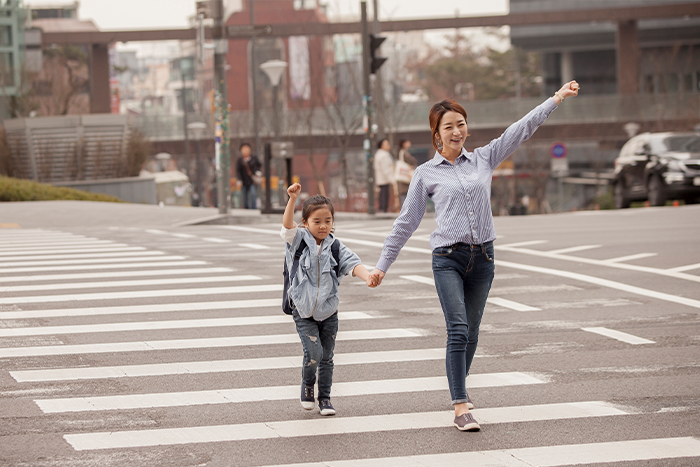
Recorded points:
(621, 336)
(221, 366)
(161, 325)
(70, 259)
(65, 253)
(573, 249)
(55, 251)
(270, 393)
(135, 283)
(141, 294)
(254, 246)
(113, 275)
(204, 343)
(166, 261)
(215, 240)
(502, 302)
(52, 245)
(542, 456)
(622, 259)
(333, 426)
(689, 267)
(137, 309)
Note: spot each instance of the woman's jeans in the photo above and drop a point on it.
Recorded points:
(250, 196)
(318, 340)
(384, 197)
(463, 275)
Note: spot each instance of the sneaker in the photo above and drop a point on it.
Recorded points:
(466, 422)
(325, 406)
(470, 404)
(307, 397)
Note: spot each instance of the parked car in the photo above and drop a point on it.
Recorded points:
(657, 167)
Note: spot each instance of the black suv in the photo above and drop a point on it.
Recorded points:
(657, 167)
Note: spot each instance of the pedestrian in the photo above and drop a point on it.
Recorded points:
(314, 290)
(405, 165)
(249, 176)
(384, 173)
(459, 183)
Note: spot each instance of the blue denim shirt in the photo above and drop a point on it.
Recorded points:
(314, 290)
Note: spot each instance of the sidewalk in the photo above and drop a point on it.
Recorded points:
(64, 214)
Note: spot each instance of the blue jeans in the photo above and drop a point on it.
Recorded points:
(463, 276)
(250, 197)
(318, 340)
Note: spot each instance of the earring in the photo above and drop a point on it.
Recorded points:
(439, 143)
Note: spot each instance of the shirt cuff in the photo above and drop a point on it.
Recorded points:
(383, 264)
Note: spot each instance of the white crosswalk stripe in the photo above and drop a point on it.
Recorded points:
(233, 347)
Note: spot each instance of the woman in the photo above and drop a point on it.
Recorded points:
(384, 173)
(404, 156)
(459, 183)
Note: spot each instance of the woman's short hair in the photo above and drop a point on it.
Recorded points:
(402, 142)
(438, 111)
(380, 142)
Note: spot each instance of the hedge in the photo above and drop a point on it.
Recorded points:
(14, 189)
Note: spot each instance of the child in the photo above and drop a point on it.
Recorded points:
(314, 291)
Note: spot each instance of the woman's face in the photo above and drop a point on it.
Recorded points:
(385, 145)
(453, 131)
(407, 145)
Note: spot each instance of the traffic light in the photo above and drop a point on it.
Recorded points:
(375, 62)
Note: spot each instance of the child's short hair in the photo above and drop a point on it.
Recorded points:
(315, 203)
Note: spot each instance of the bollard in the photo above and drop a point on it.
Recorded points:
(676, 203)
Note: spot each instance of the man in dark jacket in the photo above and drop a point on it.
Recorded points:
(248, 169)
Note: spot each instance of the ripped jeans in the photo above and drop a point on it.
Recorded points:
(318, 340)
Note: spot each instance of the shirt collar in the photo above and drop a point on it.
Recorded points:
(439, 159)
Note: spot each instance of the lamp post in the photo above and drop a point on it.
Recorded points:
(273, 69)
(197, 128)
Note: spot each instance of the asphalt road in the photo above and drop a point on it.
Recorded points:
(129, 338)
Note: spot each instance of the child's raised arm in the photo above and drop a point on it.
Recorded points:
(288, 218)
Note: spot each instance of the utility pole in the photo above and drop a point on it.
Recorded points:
(367, 108)
(254, 89)
(378, 81)
(223, 175)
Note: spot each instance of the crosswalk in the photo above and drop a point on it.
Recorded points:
(130, 328)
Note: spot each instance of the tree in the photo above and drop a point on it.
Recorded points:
(64, 77)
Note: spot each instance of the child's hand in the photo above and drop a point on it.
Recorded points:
(294, 190)
(371, 282)
(375, 278)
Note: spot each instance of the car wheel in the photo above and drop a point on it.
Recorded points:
(620, 196)
(656, 191)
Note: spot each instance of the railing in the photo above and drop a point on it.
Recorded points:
(414, 116)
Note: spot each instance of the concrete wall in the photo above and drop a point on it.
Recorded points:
(141, 190)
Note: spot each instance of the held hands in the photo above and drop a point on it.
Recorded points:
(294, 190)
(375, 278)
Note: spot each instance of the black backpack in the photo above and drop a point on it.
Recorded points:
(286, 301)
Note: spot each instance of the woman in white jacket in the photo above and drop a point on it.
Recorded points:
(384, 173)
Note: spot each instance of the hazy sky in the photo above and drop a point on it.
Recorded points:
(156, 14)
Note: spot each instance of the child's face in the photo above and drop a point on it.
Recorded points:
(320, 224)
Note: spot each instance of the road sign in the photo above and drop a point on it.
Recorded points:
(558, 150)
(282, 150)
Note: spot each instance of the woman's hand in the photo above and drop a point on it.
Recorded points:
(294, 190)
(569, 89)
(375, 278)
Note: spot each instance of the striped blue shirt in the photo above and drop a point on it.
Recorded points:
(461, 191)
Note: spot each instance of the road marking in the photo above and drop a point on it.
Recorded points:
(604, 283)
(254, 246)
(142, 294)
(502, 302)
(221, 366)
(622, 259)
(270, 393)
(215, 240)
(161, 325)
(173, 261)
(621, 336)
(519, 244)
(51, 245)
(112, 275)
(573, 249)
(19, 254)
(333, 426)
(543, 456)
(689, 267)
(33, 261)
(136, 283)
(183, 235)
(205, 343)
(138, 309)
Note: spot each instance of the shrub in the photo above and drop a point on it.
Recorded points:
(13, 189)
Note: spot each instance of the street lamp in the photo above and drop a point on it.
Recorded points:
(273, 69)
(197, 128)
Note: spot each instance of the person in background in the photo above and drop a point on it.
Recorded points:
(459, 183)
(248, 169)
(405, 156)
(384, 173)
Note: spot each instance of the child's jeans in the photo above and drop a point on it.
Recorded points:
(318, 339)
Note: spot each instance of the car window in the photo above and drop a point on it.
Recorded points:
(682, 143)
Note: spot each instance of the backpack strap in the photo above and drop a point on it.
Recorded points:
(295, 264)
(335, 251)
